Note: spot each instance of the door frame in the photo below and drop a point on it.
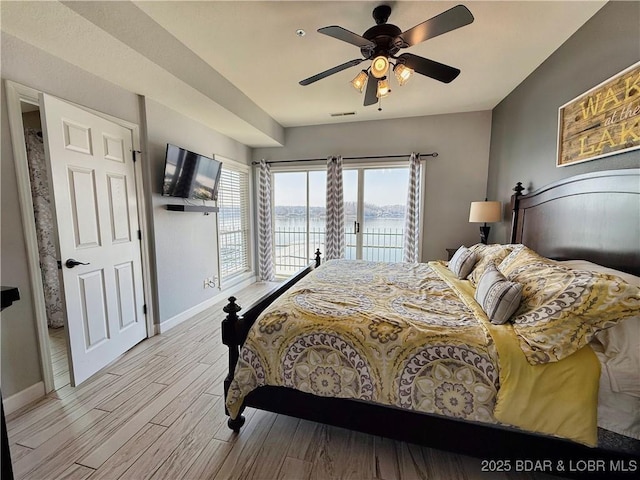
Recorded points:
(15, 94)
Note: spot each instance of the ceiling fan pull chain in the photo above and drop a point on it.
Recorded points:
(380, 104)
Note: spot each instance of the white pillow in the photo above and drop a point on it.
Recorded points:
(462, 262)
(498, 297)
(594, 267)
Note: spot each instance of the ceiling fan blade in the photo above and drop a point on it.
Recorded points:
(430, 68)
(331, 71)
(455, 17)
(346, 36)
(370, 97)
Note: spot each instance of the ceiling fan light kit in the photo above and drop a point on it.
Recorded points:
(383, 88)
(381, 42)
(379, 66)
(360, 81)
(403, 73)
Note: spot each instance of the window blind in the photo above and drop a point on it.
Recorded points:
(233, 222)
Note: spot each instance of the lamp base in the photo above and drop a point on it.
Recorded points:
(484, 233)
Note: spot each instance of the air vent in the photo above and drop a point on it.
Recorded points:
(342, 114)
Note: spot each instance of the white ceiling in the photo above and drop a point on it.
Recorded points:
(254, 47)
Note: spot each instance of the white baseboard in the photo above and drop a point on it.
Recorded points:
(23, 398)
(187, 314)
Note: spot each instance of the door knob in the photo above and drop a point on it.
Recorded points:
(70, 263)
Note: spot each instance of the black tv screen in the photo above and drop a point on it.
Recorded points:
(190, 175)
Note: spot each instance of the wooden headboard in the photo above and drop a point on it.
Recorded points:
(594, 217)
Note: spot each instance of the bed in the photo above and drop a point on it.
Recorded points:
(592, 217)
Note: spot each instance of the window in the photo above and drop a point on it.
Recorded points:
(233, 221)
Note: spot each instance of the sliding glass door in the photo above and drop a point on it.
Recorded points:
(298, 218)
(384, 199)
(374, 207)
(375, 201)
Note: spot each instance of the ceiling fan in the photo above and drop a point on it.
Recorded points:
(380, 44)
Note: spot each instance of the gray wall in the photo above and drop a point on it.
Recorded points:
(525, 123)
(185, 242)
(455, 178)
(29, 66)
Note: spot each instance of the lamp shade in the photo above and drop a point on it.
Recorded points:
(403, 73)
(485, 212)
(383, 88)
(360, 81)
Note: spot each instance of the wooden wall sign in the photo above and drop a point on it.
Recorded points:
(601, 122)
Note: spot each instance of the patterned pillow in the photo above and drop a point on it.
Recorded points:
(563, 309)
(497, 296)
(462, 262)
(487, 254)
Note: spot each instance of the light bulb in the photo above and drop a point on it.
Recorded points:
(379, 66)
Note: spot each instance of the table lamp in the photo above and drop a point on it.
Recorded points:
(485, 212)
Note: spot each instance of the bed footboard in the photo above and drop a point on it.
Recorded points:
(235, 328)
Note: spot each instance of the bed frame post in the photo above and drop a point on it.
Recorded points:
(231, 340)
(515, 201)
(235, 329)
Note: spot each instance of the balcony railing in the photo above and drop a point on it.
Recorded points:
(294, 246)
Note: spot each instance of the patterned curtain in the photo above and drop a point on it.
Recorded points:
(411, 221)
(265, 238)
(334, 243)
(45, 228)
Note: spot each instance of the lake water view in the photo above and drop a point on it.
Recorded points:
(382, 240)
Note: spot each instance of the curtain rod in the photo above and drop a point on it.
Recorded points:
(368, 157)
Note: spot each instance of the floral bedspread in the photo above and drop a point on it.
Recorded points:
(393, 334)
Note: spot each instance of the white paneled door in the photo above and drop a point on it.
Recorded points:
(93, 181)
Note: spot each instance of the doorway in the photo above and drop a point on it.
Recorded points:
(47, 243)
(52, 350)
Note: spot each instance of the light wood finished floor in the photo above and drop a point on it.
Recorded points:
(59, 362)
(157, 413)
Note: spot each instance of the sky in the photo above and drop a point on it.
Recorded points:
(381, 187)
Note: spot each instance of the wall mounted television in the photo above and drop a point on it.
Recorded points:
(190, 175)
